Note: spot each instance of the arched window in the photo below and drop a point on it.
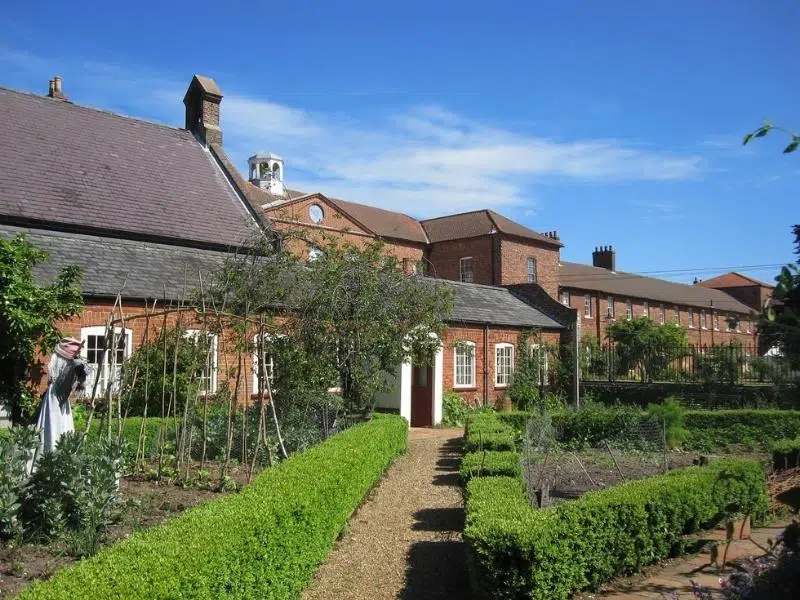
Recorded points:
(464, 365)
(276, 172)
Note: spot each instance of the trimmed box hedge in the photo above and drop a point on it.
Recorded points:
(756, 428)
(489, 463)
(264, 542)
(707, 429)
(498, 440)
(785, 453)
(516, 551)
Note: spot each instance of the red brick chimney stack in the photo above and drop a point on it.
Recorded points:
(605, 257)
(202, 102)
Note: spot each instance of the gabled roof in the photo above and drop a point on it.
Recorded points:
(733, 279)
(145, 269)
(382, 222)
(477, 223)
(630, 285)
(475, 303)
(75, 168)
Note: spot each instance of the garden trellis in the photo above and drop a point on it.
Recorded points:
(172, 427)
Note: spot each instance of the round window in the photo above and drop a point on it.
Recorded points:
(316, 213)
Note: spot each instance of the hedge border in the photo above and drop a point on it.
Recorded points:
(264, 542)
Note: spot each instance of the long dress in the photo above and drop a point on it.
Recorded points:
(55, 412)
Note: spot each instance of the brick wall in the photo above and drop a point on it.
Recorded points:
(514, 263)
(334, 226)
(597, 325)
(443, 259)
(96, 313)
(472, 333)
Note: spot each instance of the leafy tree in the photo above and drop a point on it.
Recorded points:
(640, 343)
(355, 311)
(27, 315)
(721, 363)
(780, 324)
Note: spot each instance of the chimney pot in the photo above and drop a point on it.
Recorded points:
(605, 257)
(57, 83)
(52, 89)
(55, 90)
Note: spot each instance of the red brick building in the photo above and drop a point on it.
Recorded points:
(146, 209)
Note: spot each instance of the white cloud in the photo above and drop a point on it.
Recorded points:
(424, 160)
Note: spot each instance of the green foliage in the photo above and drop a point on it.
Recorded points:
(785, 453)
(530, 372)
(498, 440)
(648, 348)
(594, 423)
(780, 324)
(593, 357)
(673, 415)
(162, 374)
(15, 450)
(516, 419)
(359, 314)
(490, 463)
(720, 363)
(455, 409)
(516, 551)
(131, 430)
(264, 542)
(712, 429)
(27, 315)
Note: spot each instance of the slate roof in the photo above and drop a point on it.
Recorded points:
(629, 285)
(144, 267)
(479, 222)
(474, 303)
(88, 170)
(382, 222)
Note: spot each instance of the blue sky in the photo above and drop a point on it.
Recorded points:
(612, 122)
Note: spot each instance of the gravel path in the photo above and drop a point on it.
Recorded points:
(405, 540)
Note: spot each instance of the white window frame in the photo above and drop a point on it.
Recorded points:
(270, 365)
(629, 309)
(461, 270)
(587, 306)
(715, 318)
(677, 315)
(646, 309)
(691, 318)
(506, 376)
(105, 369)
(531, 275)
(610, 307)
(469, 364)
(212, 363)
(543, 377)
(565, 297)
(748, 326)
(662, 314)
(729, 319)
(703, 319)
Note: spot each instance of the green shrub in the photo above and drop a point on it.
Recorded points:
(499, 440)
(672, 414)
(756, 428)
(131, 429)
(517, 419)
(455, 409)
(490, 463)
(516, 551)
(785, 453)
(264, 542)
(591, 425)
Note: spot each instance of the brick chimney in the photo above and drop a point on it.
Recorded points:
(605, 257)
(55, 90)
(202, 101)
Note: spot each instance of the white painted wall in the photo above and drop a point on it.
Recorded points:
(405, 391)
(438, 386)
(391, 399)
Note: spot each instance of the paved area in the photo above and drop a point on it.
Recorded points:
(676, 576)
(405, 540)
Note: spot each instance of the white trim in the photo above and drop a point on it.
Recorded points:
(212, 355)
(254, 362)
(610, 307)
(628, 309)
(457, 385)
(497, 348)
(105, 375)
(587, 303)
(461, 272)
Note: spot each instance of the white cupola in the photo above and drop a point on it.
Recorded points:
(266, 171)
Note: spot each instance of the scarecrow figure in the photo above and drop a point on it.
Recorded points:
(64, 371)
